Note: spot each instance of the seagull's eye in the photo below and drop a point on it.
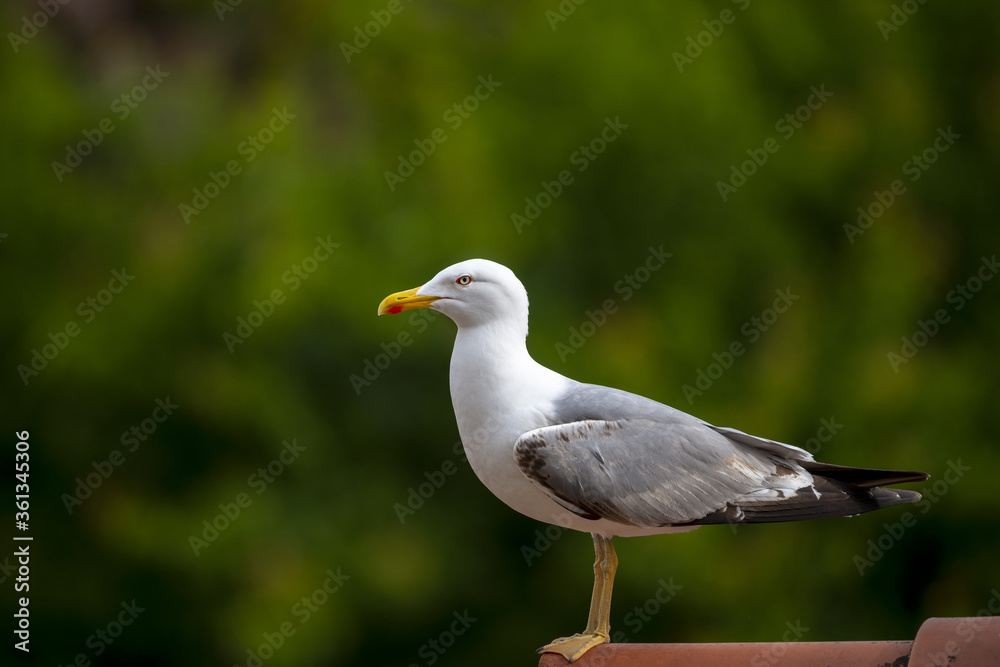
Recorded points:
(464, 280)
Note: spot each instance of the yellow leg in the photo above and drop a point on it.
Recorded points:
(598, 628)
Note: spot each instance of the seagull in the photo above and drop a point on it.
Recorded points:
(605, 461)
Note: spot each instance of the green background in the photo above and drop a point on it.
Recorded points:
(369, 443)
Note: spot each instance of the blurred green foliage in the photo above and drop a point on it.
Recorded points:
(287, 135)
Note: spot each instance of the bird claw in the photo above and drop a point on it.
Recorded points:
(572, 648)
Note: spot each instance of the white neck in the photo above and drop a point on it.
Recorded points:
(494, 380)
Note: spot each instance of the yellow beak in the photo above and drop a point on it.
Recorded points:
(408, 300)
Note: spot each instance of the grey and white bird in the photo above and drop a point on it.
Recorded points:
(605, 461)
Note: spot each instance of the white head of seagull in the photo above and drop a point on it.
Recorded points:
(472, 293)
(605, 461)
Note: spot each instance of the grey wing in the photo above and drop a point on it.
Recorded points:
(645, 473)
(591, 401)
(624, 457)
(766, 444)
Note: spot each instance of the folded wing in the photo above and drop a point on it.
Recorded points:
(646, 473)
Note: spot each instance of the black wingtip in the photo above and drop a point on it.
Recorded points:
(903, 495)
(866, 478)
(827, 498)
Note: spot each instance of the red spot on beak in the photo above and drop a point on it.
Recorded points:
(394, 310)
